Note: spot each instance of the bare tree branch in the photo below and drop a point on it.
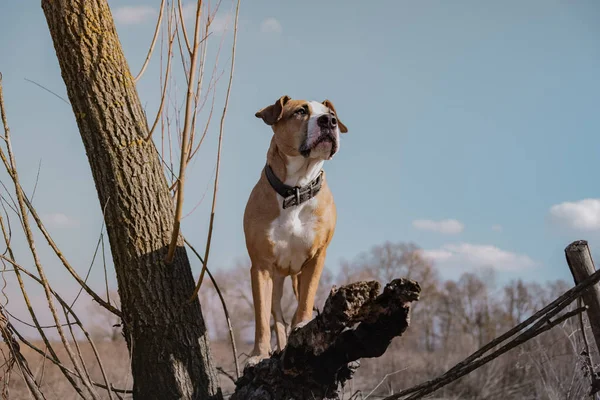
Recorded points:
(225, 310)
(151, 49)
(184, 140)
(216, 187)
(19, 360)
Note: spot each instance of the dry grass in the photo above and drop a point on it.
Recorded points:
(450, 321)
(52, 382)
(547, 368)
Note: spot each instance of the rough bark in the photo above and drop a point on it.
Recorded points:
(321, 356)
(165, 333)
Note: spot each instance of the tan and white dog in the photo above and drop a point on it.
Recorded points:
(290, 216)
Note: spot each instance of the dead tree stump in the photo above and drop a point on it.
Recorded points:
(356, 322)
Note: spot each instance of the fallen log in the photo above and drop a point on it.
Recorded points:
(321, 356)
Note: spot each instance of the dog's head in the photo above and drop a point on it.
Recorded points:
(306, 128)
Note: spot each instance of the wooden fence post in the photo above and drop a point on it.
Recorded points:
(581, 265)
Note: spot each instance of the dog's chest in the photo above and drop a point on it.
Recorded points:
(292, 234)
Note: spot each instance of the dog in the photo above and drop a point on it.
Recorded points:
(290, 216)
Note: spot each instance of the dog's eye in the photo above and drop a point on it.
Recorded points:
(300, 111)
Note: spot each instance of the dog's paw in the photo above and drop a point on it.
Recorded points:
(300, 325)
(253, 360)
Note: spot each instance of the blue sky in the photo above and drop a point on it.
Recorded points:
(473, 126)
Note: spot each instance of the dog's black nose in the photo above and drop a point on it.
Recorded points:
(327, 121)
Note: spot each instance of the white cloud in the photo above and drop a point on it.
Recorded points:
(445, 226)
(271, 25)
(133, 15)
(582, 215)
(497, 228)
(59, 220)
(466, 256)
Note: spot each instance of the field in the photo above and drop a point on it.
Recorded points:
(452, 319)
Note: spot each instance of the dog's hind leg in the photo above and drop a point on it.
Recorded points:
(295, 285)
(262, 289)
(280, 326)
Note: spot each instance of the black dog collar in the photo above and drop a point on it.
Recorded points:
(293, 196)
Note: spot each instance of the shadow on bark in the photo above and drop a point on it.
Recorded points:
(356, 322)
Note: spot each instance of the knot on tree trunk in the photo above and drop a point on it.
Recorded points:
(356, 322)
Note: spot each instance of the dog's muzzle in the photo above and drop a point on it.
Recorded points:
(327, 125)
(326, 135)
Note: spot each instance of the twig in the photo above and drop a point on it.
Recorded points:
(46, 342)
(19, 360)
(193, 153)
(184, 145)
(92, 345)
(167, 75)
(13, 174)
(11, 169)
(225, 310)
(130, 375)
(70, 372)
(43, 367)
(198, 89)
(27, 323)
(474, 361)
(12, 206)
(42, 275)
(181, 19)
(543, 325)
(76, 343)
(213, 82)
(105, 271)
(162, 117)
(37, 179)
(383, 380)
(48, 90)
(222, 371)
(185, 70)
(66, 263)
(32, 312)
(100, 239)
(151, 49)
(212, 214)
(201, 199)
(355, 395)
(4, 269)
(65, 305)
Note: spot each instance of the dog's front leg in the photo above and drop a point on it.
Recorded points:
(308, 283)
(262, 289)
(279, 321)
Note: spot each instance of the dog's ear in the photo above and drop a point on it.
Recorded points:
(272, 113)
(329, 105)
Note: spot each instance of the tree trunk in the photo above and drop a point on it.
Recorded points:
(165, 333)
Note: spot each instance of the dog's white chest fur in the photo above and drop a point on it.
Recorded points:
(293, 231)
(292, 235)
